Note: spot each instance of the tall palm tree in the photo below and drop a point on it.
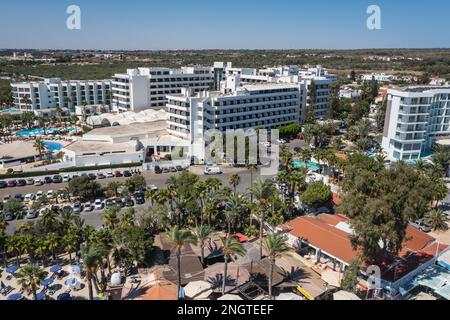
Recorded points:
(39, 146)
(113, 187)
(437, 220)
(203, 233)
(13, 246)
(180, 238)
(92, 255)
(151, 195)
(70, 241)
(252, 168)
(53, 242)
(233, 209)
(231, 247)
(111, 217)
(262, 190)
(275, 246)
(234, 181)
(29, 277)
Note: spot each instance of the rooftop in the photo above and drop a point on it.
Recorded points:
(17, 150)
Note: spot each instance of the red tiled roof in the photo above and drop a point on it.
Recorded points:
(321, 232)
(324, 236)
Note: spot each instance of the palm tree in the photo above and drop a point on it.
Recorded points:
(70, 242)
(252, 168)
(234, 181)
(233, 209)
(113, 187)
(92, 255)
(39, 146)
(30, 277)
(231, 247)
(421, 166)
(151, 195)
(436, 219)
(275, 246)
(262, 190)
(13, 246)
(52, 243)
(180, 238)
(111, 218)
(203, 233)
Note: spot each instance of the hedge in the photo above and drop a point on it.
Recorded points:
(65, 170)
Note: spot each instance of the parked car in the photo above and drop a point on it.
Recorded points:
(21, 183)
(67, 209)
(127, 174)
(165, 170)
(101, 176)
(77, 208)
(110, 175)
(38, 182)
(92, 176)
(140, 198)
(11, 183)
(55, 209)
(109, 203)
(173, 169)
(153, 187)
(42, 212)
(213, 170)
(419, 224)
(39, 194)
(119, 203)
(180, 168)
(158, 170)
(118, 174)
(9, 216)
(48, 180)
(66, 178)
(6, 198)
(50, 194)
(30, 181)
(57, 179)
(3, 184)
(88, 207)
(98, 204)
(29, 197)
(31, 214)
(129, 203)
(18, 196)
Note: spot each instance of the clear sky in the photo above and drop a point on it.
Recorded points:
(224, 24)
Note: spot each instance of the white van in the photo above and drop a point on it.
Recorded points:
(213, 170)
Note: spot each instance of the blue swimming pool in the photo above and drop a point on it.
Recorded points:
(310, 165)
(53, 146)
(41, 131)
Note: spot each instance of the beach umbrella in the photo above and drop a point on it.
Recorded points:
(230, 297)
(40, 295)
(55, 269)
(116, 279)
(64, 297)
(12, 269)
(198, 290)
(15, 296)
(47, 281)
(75, 269)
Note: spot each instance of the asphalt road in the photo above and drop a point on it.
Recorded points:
(95, 218)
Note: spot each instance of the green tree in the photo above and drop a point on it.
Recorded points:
(39, 146)
(92, 255)
(316, 195)
(29, 277)
(350, 279)
(275, 246)
(180, 238)
(234, 181)
(231, 247)
(437, 220)
(203, 234)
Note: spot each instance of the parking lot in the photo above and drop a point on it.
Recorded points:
(95, 217)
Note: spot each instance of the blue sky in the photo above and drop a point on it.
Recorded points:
(230, 24)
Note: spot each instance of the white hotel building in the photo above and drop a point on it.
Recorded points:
(416, 117)
(145, 88)
(54, 92)
(265, 106)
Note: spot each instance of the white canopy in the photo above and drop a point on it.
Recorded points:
(230, 297)
(289, 296)
(345, 295)
(198, 290)
(333, 278)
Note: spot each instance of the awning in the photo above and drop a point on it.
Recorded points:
(331, 277)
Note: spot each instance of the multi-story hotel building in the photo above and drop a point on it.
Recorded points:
(416, 118)
(54, 92)
(265, 106)
(145, 88)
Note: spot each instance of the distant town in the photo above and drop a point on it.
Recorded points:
(145, 175)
